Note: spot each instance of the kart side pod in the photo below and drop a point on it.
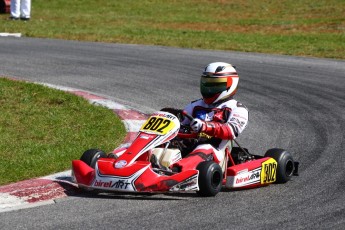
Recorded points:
(252, 174)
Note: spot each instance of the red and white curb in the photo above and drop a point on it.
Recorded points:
(45, 190)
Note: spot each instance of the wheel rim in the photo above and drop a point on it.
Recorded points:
(216, 179)
(289, 168)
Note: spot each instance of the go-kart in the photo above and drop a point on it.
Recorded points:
(161, 159)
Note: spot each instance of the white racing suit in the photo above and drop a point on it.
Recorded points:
(224, 121)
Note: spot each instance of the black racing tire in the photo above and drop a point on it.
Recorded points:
(91, 156)
(285, 162)
(210, 178)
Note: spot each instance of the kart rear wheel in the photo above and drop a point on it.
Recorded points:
(91, 156)
(285, 164)
(210, 178)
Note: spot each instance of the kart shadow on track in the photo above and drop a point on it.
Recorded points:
(128, 196)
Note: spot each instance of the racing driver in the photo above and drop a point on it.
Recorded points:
(217, 114)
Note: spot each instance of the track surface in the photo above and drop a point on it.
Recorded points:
(295, 103)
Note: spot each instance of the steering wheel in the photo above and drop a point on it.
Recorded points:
(189, 134)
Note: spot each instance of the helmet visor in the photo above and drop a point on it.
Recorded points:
(210, 86)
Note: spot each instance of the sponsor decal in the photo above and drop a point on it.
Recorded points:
(244, 178)
(119, 184)
(160, 114)
(239, 116)
(251, 176)
(204, 115)
(269, 171)
(120, 164)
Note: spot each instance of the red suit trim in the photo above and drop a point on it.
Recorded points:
(218, 130)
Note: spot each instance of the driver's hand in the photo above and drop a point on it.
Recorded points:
(196, 125)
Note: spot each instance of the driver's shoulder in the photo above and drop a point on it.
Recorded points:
(197, 102)
(232, 103)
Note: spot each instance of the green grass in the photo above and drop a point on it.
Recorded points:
(305, 27)
(43, 130)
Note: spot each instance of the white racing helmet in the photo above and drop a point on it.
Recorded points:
(219, 81)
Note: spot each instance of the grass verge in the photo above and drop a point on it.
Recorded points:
(43, 130)
(304, 27)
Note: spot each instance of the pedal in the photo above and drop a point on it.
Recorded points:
(154, 162)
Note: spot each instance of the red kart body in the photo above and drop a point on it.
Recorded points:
(132, 169)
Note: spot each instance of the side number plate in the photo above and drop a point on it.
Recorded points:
(269, 171)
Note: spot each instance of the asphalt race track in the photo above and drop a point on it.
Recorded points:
(295, 103)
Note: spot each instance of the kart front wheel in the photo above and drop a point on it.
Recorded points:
(285, 164)
(210, 178)
(91, 156)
